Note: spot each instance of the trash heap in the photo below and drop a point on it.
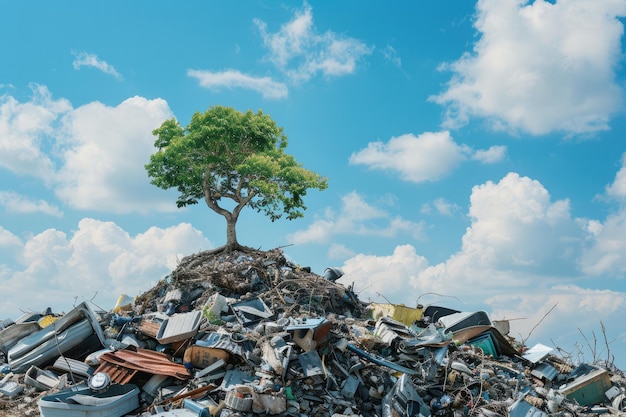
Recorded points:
(249, 333)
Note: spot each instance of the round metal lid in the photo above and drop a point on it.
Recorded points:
(99, 381)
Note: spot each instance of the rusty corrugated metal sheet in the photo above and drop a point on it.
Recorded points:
(149, 328)
(122, 363)
(117, 373)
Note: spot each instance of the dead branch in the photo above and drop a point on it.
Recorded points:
(538, 323)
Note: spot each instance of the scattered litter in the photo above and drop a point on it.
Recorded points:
(248, 333)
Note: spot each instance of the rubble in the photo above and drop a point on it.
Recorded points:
(249, 333)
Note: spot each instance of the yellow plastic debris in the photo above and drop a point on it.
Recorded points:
(399, 312)
(124, 303)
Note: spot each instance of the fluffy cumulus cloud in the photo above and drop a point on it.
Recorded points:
(427, 157)
(103, 155)
(357, 218)
(92, 156)
(516, 233)
(515, 259)
(268, 88)
(301, 52)
(539, 67)
(381, 278)
(604, 254)
(11, 247)
(27, 131)
(98, 261)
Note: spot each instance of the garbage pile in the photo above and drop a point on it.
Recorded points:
(249, 333)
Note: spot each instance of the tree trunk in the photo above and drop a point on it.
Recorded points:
(231, 232)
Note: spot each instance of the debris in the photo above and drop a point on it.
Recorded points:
(115, 402)
(74, 330)
(333, 274)
(43, 380)
(587, 385)
(247, 333)
(179, 327)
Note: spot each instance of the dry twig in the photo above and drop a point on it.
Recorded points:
(538, 323)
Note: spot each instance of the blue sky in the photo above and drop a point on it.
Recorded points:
(474, 150)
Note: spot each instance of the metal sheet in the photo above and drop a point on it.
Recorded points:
(179, 327)
(250, 312)
(382, 362)
(537, 353)
(457, 321)
(311, 363)
(54, 340)
(12, 334)
(143, 360)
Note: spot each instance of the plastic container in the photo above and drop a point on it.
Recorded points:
(239, 398)
(124, 303)
(589, 385)
(179, 327)
(61, 404)
(333, 274)
(485, 343)
(199, 409)
(200, 357)
(216, 304)
(11, 389)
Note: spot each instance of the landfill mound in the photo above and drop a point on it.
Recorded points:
(250, 333)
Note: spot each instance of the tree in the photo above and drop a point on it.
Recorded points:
(227, 154)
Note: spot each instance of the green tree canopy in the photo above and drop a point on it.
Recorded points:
(227, 154)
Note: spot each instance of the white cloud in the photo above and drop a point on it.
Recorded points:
(99, 257)
(605, 252)
(617, 189)
(426, 209)
(515, 258)
(391, 55)
(516, 230)
(8, 239)
(93, 156)
(356, 217)
(380, 278)
(441, 206)
(84, 59)
(17, 203)
(539, 67)
(234, 79)
(546, 316)
(10, 248)
(337, 251)
(27, 129)
(518, 238)
(491, 155)
(430, 156)
(104, 154)
(301, 52)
